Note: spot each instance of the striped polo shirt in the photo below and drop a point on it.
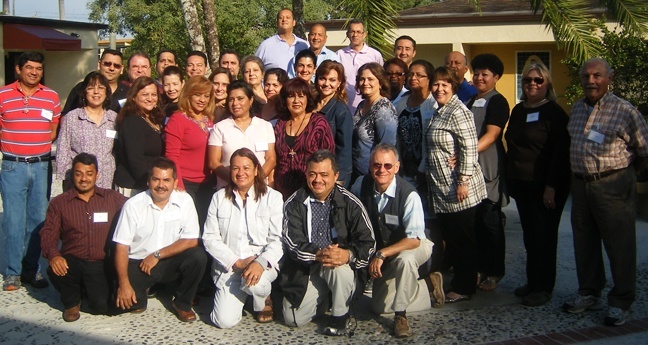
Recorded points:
(26, 122)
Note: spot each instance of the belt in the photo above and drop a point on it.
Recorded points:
(43, 158)
(596, 176)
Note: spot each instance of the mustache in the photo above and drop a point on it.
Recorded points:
(161, 189)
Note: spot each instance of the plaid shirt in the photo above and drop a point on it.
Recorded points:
(624, 130)
(452, 130)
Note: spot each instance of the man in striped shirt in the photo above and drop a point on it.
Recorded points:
(29, 116)
(81, 219)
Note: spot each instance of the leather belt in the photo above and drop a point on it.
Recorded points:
(43, 158)
(596, 176)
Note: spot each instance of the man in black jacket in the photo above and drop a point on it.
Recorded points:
(329, 239)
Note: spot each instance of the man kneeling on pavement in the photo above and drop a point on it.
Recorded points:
(328, 241)
(396, 214)
(157, 241)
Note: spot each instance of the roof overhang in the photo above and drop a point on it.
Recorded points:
(30, 37)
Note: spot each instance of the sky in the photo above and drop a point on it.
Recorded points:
(75, 10)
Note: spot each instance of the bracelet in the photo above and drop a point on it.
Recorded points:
(464, 183)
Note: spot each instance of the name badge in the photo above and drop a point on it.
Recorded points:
(100, 217)
(595, 137)
(391, 219)
(47, 114)
(480, 103)
(122, 102)
(111, 133)
(261, 146)
(533, 117)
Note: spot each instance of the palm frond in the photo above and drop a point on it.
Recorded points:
(377, 16)
(572, 26)
(632, 14)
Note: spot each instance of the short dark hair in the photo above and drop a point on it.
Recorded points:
(85, 159)
(229, 51)
(355, 21)
(405, 37)
(30, 56)
(241, 85)
(157, 58)
(488, 61)
(322, 155)
(260, 187)
(306, 53)
(173, 70)
(282, 76)
(395, 61)
(197, 53)
(94, 78)
(379, 72)
(142, 54)
(111, 52)
(163, 163)
(295, 86)
(220, 70)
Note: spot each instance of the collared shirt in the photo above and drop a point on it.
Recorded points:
(26, 122)
(352, 60)
(236, 230)
(82, 227)
(320, 226)
(275, 51)
(79, 134)
(325, 54)
(606, 136)
(413, 217)
(146, 228)
(400, 95)
(230, 138)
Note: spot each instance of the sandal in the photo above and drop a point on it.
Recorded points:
(267, 314)
(453, 297)
(489, 284)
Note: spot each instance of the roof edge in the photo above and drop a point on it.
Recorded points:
(51, 22)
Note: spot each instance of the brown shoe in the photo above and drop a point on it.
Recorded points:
(401, 327)
(437, 289)
(266, 315)
(72, 314)
(184, 316)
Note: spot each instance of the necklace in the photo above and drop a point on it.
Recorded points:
(150, 123)
(292, 152)
(203, 123)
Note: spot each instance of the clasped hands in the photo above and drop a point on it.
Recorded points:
(332, 256)
(251, 270)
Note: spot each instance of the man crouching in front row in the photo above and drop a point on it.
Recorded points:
(156, 241)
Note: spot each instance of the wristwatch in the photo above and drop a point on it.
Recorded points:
(157, 255)
(379, 255)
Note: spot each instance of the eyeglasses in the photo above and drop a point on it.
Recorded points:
(387, 166)
(417, 75)
(97, 88)
(108, 64)
(395, 74)
(537, 80)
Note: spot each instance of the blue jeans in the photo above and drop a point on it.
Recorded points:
(24, 198)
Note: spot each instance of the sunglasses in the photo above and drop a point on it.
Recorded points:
(108, 64)
(537, 80)
(387, 166)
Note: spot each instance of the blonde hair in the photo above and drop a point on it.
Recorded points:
(197, 84)
(544, 73)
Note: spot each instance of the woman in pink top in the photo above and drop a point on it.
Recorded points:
(186, 136)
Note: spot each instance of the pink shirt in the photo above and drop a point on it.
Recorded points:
(186, 145)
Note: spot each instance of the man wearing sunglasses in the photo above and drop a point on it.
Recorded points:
(110, 66)
(396, 214)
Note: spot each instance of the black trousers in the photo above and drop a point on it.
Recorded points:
(83, 276)
(491, 244)
(458, 231)
(605, 211)
(540, 231)
(186, 268)
(201, 193)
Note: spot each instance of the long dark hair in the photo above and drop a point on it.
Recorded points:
(130, 108)
(260, 187)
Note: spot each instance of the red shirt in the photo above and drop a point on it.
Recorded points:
(26, 122)
(82, 227)
(186, 146)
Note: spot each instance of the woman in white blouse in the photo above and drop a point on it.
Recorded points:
(243, 235)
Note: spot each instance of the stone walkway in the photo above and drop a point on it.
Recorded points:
(31, 316)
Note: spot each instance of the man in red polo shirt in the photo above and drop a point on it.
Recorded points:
(29, 116)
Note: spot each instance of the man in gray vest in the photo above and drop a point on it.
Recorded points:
(396, 215)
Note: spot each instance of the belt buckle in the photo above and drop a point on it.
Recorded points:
(596, 176)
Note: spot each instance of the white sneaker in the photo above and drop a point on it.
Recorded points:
(582, 303)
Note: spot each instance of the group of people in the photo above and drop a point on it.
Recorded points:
(355, 173)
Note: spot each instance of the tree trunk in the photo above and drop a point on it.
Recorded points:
(213, 51)
(5, 6)
(190, 15)
(61, 9)
(298, 14)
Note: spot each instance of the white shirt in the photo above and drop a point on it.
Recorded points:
(230, 138)
(145, 228)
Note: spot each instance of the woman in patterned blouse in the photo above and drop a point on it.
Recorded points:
(456, 189)
(375, 120)
(298, 134)
(89, 129)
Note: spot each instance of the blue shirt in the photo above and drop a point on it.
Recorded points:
(466, 91)
(275, 51)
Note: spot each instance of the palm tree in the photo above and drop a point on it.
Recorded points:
(378, 17)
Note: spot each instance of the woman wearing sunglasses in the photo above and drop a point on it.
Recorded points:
(538, 178)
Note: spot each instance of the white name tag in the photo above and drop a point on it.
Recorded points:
(391, 219)
(533, 117)
(480, 103)
(261, 146)
(100, 217)
(122, 102)
(111, 133)
(595, 137)
(47, 114)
